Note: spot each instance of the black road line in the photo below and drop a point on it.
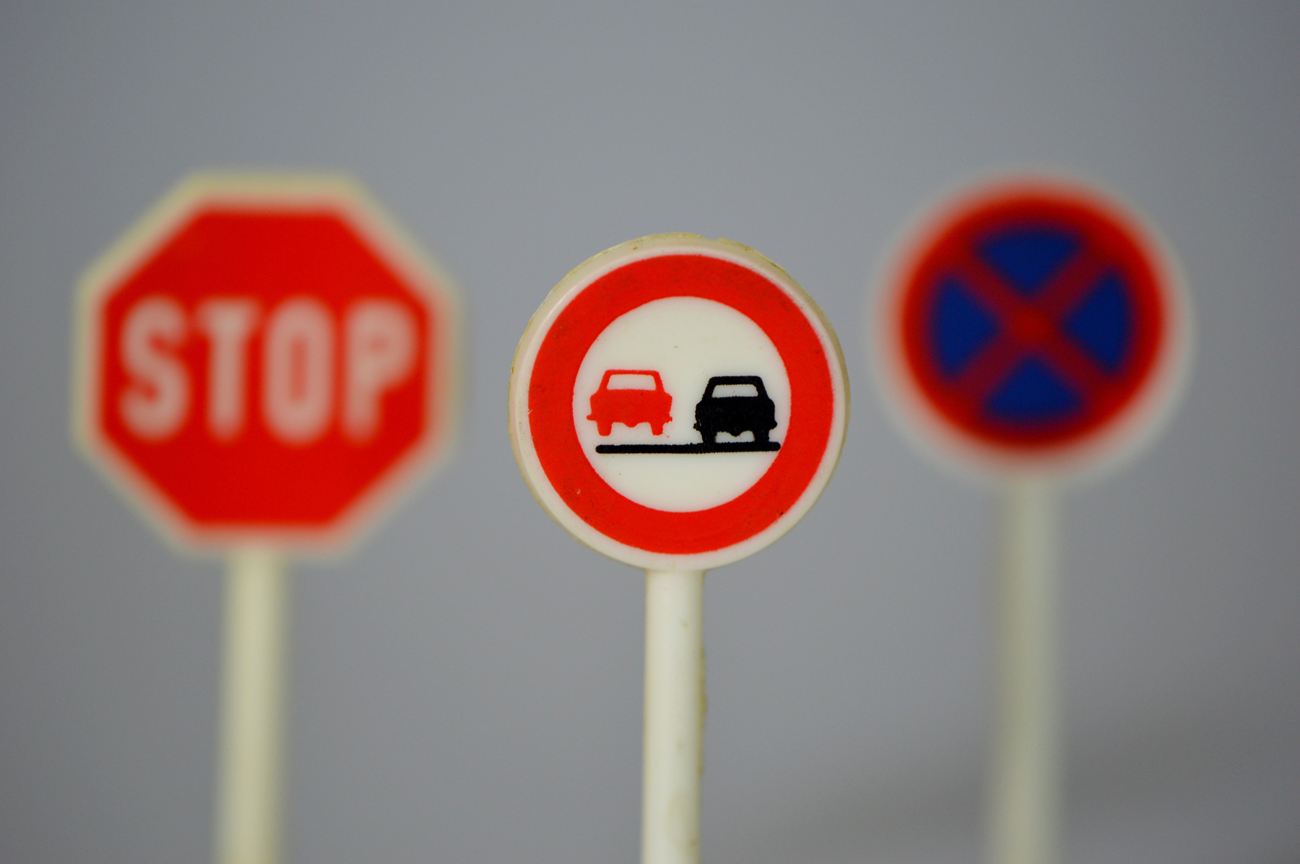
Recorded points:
(721, 447)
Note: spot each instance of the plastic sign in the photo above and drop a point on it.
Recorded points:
(1033, 326)
(677, 402)
(265, 360)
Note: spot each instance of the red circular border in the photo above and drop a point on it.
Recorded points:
(1106, 233)
(555, 371)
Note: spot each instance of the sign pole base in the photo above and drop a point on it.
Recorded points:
(674, 717)
(1025, 812)
(249, 778)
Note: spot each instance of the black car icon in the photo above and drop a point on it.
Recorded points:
(742, 406)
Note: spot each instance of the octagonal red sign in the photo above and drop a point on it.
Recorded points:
(265, 360)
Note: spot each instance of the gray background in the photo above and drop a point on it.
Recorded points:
(466, 686)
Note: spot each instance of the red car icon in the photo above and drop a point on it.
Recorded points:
(630, 397)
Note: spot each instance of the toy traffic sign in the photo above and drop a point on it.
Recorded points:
(261, 363)
(1032, 329)
(1034, 326)
(677, 404)
(265, 360)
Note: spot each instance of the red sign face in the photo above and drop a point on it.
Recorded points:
(1036, 326)
(678, 402)
(264, 362)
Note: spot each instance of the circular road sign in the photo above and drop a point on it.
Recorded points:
(264, 360)
(677, 402)
(1034, 326)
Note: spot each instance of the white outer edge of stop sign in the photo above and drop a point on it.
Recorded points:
(347, 198)
(570, 287)
(1086, 461)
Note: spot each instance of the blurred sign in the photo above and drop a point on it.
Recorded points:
(678, 402)
(265, 361)
(1034, 325)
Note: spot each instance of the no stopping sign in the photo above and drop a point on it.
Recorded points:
(1033, 325)
(677, 402)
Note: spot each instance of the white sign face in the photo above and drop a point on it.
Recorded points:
(686, 342)
(678, 403)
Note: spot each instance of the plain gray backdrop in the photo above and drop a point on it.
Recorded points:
(466, 686)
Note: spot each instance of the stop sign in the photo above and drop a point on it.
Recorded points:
(265, 360)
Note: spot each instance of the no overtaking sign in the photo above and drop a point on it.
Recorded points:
(678, 403)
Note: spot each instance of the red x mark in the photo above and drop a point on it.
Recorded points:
(1030, 325)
